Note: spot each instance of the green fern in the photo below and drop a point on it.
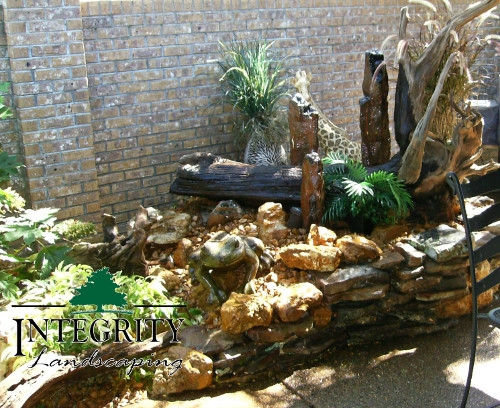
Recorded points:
(350, 192)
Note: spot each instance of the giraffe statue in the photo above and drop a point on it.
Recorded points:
(331, 137)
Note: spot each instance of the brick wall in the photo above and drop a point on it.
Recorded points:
(117, 91)
(51, 97)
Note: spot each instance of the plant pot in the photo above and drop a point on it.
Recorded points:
(263, 153)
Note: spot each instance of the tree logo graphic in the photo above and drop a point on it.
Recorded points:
(100, 290)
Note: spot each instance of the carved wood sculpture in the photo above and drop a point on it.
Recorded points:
(412, 119)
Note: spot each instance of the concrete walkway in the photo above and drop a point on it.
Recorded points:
(425, 371)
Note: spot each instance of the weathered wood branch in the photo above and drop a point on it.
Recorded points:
(209, 176)
(118, 253)
(29, 384)
(414, 76)
(412, 159)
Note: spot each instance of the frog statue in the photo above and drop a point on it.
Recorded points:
(225, 252)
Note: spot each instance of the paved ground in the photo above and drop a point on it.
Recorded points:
(426, 371)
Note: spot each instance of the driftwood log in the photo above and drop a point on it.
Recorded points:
(28, 385)
(210, 176)
(118, 253)
(425, 160)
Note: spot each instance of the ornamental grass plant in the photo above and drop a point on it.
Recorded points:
(253, 82)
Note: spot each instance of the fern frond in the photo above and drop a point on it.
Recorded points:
(357, 190)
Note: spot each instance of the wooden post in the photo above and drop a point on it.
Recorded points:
(312, 196)
(374, 116)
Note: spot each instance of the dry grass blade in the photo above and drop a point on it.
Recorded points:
(424, 3)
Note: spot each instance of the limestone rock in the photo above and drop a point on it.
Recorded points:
(182, 252)
(421, 284)
(389, 261)
(458, 307)
(208, 341)
(293, 302)
(321, 236)
(171, 281)
(242, 312)
(322, 315)
(368, 293)
(441, 244)
(442, 295)
(224, 212)
(413, 257)
(311, 257)
(408, 274)
(383, 234)
(453, 267)
(271, 222)
(354, 277)
(195, 372)
(358, 249)
(172, 228)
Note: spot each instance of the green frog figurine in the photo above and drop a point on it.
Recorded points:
(224, 252)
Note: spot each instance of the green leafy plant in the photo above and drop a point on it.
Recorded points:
(5, 111)
(27, 237)
(9, 166)
(63, 285)
(74, 230)
(253, 84)
(378, 197)
(32, 240)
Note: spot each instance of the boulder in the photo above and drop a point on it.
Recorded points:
(383, 234)
(322, 316)
(280, 332)
(182, 252)
(171, 281)
(413, 257)
(389, 261)
(354, 277)
(224, 212)
(441, 244)
(170, 230)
